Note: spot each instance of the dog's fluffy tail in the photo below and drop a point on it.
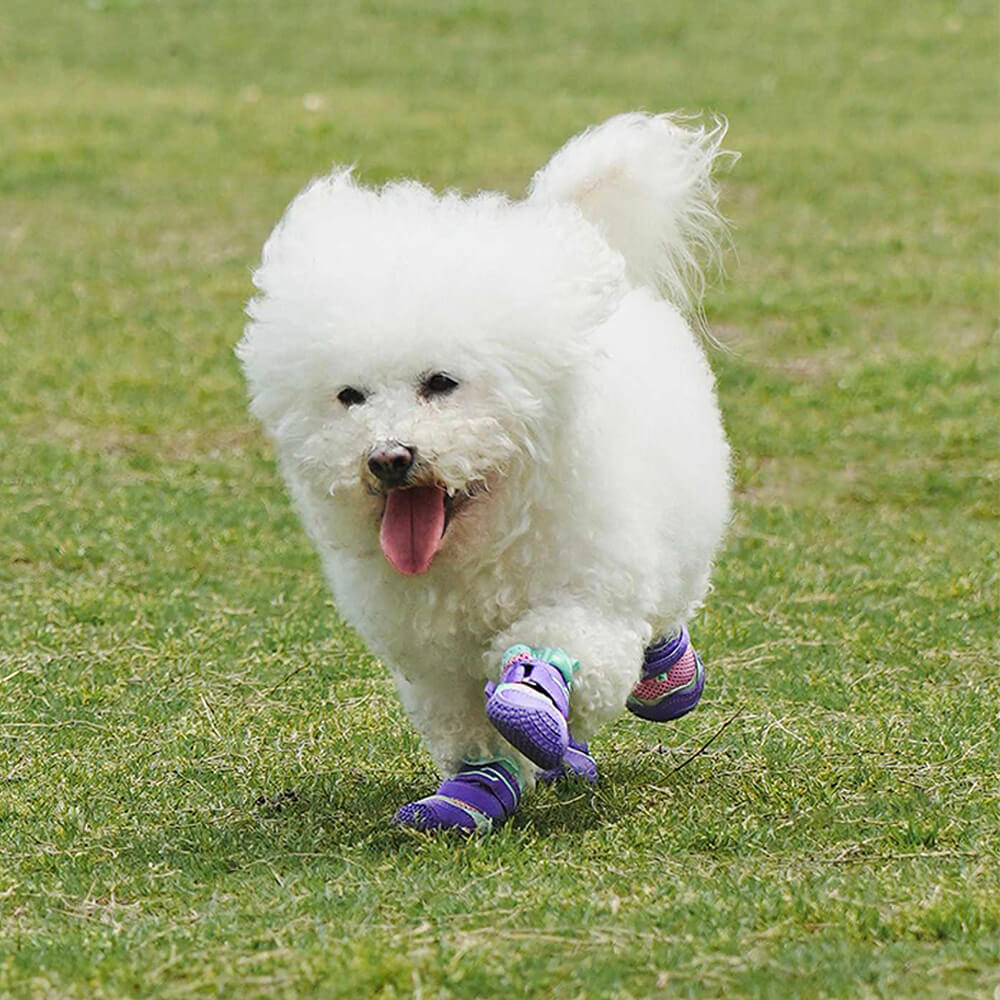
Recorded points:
(646, 182)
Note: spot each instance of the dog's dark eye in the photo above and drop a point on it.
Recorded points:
(438, 384)
(350, 396)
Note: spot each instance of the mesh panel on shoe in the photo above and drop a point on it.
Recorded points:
(655, 688)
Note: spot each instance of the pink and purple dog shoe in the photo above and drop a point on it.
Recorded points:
(673, 678)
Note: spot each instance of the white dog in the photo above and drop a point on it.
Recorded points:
(502, 435)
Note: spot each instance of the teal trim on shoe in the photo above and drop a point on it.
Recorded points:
(553, 655)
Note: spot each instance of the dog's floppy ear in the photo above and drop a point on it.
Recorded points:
(646, 182)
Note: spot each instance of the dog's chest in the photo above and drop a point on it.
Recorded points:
(421, 624)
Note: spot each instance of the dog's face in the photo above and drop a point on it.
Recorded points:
(408, 354)
(405, 452)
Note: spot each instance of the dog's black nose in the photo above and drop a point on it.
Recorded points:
(390, 462)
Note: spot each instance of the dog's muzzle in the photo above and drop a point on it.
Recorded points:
(390, 462)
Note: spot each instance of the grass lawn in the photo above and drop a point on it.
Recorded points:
(197, 760)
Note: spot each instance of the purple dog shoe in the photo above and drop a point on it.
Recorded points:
(529, 705)
(480, 798)
(673, 678)
(576, 763)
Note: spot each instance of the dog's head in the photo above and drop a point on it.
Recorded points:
(409, 353)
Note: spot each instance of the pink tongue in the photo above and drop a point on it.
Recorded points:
(412, 526)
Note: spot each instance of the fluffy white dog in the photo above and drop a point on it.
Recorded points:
(502, 435)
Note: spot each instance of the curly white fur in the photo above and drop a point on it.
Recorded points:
(584, 425)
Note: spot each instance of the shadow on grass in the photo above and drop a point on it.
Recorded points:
(328, 815)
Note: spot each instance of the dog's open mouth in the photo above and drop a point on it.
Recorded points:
(414, 521)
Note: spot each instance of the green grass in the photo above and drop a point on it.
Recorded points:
(197, 759)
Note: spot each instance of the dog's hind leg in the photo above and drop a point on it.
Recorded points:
(673, 678)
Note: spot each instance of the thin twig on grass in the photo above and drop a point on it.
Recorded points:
(287, 677)
(845, 858)
(725, 725)
(211, 717)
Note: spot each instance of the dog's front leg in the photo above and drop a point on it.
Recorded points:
(483, 775)
(558, 673)
(561, 671)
